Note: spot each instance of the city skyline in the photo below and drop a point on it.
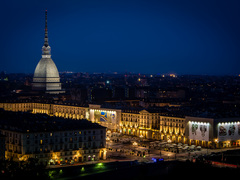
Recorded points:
(146, 89)
(150, 37)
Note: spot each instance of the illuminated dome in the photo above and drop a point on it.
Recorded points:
(46, 68)
(46, 77)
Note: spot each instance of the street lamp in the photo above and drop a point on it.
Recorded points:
(135, 143)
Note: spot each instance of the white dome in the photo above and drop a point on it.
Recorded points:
(46, 77)
(46, 68)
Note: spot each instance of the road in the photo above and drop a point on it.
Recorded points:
(121, 160)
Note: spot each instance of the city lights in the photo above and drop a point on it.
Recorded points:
(143, 91)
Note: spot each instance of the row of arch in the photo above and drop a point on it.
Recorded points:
(150, 134)
(70, 116)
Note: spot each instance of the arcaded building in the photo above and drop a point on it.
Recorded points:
(207, 131)
(152, 125)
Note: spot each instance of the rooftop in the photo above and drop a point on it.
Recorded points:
(27, 122)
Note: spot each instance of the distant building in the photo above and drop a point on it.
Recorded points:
(51, 139)
(170, 93)
(46, 77)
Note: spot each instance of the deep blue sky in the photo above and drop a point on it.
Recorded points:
(146, 36)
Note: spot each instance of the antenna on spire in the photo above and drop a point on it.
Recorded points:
(46, 31)
(46, 49)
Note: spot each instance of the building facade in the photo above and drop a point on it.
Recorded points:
(152, 125)
(213, 132)
(145, 123)
(71, 112)
(172, 129)
(52, 141)
(56, 147)
(58, 110)
(106, 117)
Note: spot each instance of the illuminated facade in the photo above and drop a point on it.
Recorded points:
(71, 112)
(106, 117)
(56, 147)
(145, 124)
(213, 132)
(152, 125)
(15, 107)
(57, 143)
(172, 129)
(110, 119)
(129, 122)
(65, 111)
(141, 123)
(137, 123)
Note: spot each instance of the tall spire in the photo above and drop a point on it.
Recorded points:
(46, 49)
(46, 31)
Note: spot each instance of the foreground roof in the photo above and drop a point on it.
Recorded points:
(28, 122)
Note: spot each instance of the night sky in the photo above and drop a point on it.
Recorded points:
(142, 36)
